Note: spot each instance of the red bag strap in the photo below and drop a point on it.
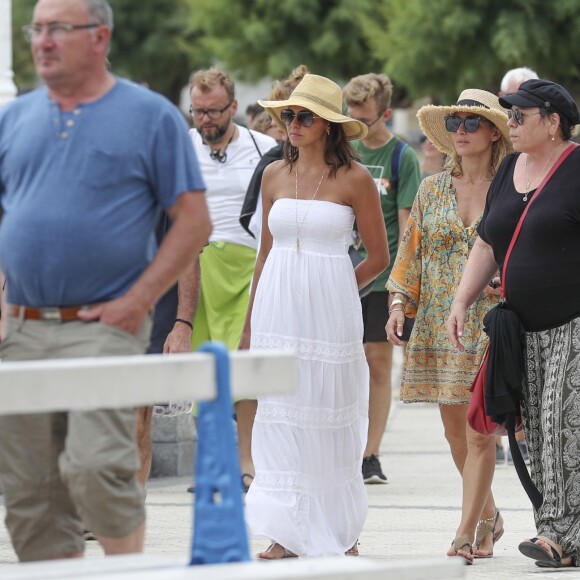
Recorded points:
(559, 162)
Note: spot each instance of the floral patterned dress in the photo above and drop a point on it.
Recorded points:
(430, 261)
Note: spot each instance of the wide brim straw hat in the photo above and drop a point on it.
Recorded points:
(476, 101)
(324, 98)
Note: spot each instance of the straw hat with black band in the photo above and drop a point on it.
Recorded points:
(475, 101)
(324, 98)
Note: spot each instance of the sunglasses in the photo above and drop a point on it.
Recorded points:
(519, 116)
(305, 118)
(470, 124)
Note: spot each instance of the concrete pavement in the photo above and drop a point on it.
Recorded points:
(413, 516)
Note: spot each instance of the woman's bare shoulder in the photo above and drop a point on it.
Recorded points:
(275, 168)
(358, 171)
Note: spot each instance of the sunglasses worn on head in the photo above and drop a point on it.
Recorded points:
(305, 118)
(519, 116)
(470, 124)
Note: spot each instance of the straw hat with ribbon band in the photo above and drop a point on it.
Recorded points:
(324, 98)
(474, 101)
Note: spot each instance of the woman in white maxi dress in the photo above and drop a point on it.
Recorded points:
(308, 495)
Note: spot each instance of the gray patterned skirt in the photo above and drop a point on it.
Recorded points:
(551, 414)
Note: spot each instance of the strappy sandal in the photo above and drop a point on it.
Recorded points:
(532, 550)
(352, 551)
(485, 527)
(285, 554)
(458, 544)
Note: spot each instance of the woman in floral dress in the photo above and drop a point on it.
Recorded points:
(440, 232)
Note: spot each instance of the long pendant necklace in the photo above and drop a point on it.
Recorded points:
(528, 182)
(299, 225)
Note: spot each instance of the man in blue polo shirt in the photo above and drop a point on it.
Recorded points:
(86, 164)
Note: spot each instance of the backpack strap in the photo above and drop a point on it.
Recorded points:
(400, 147)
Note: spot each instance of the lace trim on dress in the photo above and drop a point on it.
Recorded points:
(306, 417)
(308, 349)
(292, 482)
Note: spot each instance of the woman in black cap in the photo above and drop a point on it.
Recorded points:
(543, 289)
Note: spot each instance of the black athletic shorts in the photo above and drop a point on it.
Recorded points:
(375, 311)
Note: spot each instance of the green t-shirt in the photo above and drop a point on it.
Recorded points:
(378, 161)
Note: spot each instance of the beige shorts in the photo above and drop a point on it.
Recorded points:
(61, 472)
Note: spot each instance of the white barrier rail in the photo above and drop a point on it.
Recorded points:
(159, 568)
(89, 383)
(124, 381)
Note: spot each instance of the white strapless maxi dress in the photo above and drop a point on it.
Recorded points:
(308, 493)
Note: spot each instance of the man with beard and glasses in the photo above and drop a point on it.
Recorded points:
(228, 154)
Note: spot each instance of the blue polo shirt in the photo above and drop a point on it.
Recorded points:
(81, 192)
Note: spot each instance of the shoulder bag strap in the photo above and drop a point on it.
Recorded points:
(559, 162)
(256, 145)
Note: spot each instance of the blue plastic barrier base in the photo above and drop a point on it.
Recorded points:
(219, 531)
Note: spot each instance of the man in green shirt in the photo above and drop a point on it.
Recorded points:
(368, 98)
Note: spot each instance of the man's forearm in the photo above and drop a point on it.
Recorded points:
(188, 287)
(478, 271)
(184, 240)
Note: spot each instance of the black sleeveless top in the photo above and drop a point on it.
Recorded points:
(543, 277)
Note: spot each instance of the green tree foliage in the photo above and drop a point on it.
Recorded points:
(428, 47)
(24, 76)
(253, 38)
(441, 47)
(153, 44)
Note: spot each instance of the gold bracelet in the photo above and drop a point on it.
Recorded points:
(398, 301)
(392, 309)
(401, 296)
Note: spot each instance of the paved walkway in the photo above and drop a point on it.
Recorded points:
(413, 516)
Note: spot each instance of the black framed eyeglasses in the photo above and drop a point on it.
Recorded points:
(56, 30)
(519, 116)
(213, 114)
(470, 124)
(371, 123)
(305, 118)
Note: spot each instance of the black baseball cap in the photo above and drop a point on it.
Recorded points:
(545, 94)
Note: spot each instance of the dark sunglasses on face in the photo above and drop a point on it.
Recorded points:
(305, 118)
(470, 124)
(519, 116)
